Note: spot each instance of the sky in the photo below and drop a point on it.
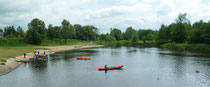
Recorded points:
(104, 14)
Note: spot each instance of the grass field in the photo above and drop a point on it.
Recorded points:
(10, 48)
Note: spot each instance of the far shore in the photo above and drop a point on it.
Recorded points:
(11, 63)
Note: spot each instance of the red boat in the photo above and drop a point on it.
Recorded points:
(111, 68)
(80, 58)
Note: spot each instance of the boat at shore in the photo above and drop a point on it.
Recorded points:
(111, 68)
(83, 58)
(25, 61)
(39, 59)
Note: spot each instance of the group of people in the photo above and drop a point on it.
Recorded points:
(35, 54)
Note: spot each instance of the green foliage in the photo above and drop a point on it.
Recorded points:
(129, 33)
(51, 32)
(1, 30)
(134, 37)
(149, 34)
(186, 46)
(3, 63)
(3, 60)
(67, 30)
(12, 42)
(89, 32)
(20, 32)
(36, 31)
(10, 32)
(107, 37)
(33, 37)
(78, 29)
(178, 33)
(117, 34)
(39, 26)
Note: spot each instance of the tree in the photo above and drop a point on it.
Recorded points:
(51, 33)
(20, 32)
(67, 30)
(36, 31)
(134, 37)
(10, 31)
(89, 32)
(107, 37)
(1, 30)
(117, 34)
(178, 33)
(182, 18)
(129, 33)
(194, 35)
(206, 33)
(78, 29)
(33, 36)
(57, 31)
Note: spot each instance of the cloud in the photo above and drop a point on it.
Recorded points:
(149, 1)
(130, 1)
(104, 15)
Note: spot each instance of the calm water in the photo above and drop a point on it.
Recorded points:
(143, 67)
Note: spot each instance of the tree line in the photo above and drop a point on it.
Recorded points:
(181, 31)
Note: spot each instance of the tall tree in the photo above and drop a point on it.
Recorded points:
(57, 31)
(67, 30)
(20, 32)
(36, 31)
(10, 31)
(1, 30)
(51, 32)
(178, 33)
(117, 34)
(78, 29)
(206, 33)
(89, 32)
(129, 33)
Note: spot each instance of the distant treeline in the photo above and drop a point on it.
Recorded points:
(181, 31)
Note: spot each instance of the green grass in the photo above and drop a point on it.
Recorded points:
(3, 63)
(58, 42)
(13, 47)
(13, 51)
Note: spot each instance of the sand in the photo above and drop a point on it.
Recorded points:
(11, 63)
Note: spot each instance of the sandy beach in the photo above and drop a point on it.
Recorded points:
(11, 63)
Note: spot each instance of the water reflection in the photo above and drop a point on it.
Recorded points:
(144, 67)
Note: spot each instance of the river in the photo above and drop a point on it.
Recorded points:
(143, 67)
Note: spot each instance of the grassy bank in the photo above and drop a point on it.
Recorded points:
(126, 43)
(186, 46)
(12, 47)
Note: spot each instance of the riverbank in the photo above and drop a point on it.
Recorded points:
(186, 46)
(11, 63)
(127, 43)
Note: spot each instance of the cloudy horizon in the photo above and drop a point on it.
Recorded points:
(140, 14)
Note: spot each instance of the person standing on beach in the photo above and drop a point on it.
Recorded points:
(24, 55)
(38, 52)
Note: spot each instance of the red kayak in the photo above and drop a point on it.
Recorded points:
(111, 68)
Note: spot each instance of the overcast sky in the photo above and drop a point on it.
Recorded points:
(104, 14)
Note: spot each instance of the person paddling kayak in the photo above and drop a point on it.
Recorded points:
(105, 66)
